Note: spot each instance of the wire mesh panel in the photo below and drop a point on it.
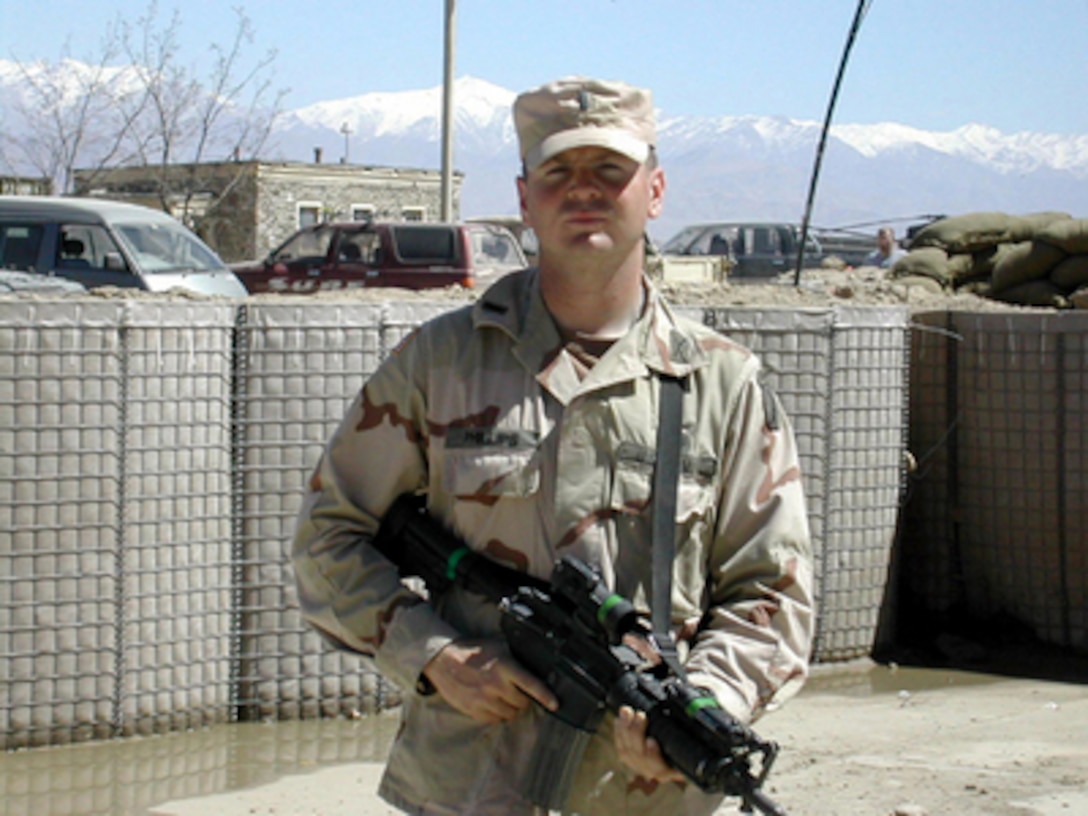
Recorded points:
(841, 375)
(60, 397)
(1073, 430)
(176, 554)
(1020, 457)
(868, 434)
(300, 365)
(930, 571)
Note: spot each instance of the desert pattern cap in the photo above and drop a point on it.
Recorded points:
(583, 112)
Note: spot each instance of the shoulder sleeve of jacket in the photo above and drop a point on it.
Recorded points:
(347, 590)
(754, 643)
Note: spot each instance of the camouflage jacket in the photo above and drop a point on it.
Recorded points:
(485, 411)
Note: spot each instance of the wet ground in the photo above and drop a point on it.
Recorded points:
(860, 739)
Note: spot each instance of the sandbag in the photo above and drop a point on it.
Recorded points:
(1072, 273)
(966, 233)
(1027, 227)
(1080, 298)
(962, 268)
(1071, 235)
(1023, 262)
(931, 262)
(1034, 293)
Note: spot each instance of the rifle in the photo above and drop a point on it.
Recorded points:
(589, 645)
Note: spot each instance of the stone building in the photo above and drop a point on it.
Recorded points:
(26, 185)
(245, 209)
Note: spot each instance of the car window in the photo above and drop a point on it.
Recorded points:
(765, 241)
(494, 249)
(359, 247)
(681, 243)
(83, 246)
(426, 244)
(305, 245)
(167, 247)
(19, 245)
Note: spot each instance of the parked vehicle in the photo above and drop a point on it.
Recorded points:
(107, 243)
(12, 280)
(520, 230)
(753, 249)
(410, 255)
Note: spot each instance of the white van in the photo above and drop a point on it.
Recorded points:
(106, 243)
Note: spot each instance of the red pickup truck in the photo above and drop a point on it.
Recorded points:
(411, 255)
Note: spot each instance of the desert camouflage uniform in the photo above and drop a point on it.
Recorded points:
(485, 410)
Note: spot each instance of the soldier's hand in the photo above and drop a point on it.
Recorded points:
(479, 678)
(639, 752)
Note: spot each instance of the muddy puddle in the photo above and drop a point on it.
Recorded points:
(129, 777)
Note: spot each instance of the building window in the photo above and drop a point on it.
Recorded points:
(412, 213)
(309, 213)
(362, 212)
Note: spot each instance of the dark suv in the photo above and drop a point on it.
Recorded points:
(411, 255)
(755, 249)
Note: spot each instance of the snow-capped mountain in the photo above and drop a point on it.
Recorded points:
(718, 168)
(723, 168)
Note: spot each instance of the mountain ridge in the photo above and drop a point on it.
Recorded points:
(733, 167)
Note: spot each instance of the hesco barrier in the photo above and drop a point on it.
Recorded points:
(842, 376)
(152, 459)
(996, 525)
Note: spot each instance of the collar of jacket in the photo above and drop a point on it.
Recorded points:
(657, 342)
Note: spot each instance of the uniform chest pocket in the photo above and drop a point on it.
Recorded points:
(480, 463)
(632, 484)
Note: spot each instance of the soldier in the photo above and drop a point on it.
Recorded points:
(887, 250)
(529, 420)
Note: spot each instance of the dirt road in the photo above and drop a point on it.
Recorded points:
(861, 740)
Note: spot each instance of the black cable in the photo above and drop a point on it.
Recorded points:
(859, 15)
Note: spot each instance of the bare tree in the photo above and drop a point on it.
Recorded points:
(184, 123)
(154, 113)
(82, 115)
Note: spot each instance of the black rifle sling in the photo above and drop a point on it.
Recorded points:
(663, 518)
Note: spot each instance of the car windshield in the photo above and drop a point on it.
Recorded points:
(307, 243)
(495, 249)
(679, 243)
(167, 247)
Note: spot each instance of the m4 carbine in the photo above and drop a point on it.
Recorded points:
(595, 652)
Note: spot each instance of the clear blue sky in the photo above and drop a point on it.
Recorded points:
(932, 64)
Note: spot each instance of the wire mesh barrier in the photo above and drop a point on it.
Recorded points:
(153, 458)
(996, 529)
(842, 377)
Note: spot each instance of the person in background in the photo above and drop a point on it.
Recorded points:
(528, 420)
(887, 250)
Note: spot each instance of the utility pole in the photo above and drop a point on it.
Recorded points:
(347, 134)
(447, 112)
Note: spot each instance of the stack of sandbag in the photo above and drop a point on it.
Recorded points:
(1034, 260)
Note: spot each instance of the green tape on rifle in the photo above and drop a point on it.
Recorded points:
(453, 561)
(606, 607)
(699, 703)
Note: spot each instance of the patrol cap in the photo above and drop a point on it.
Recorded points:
(581, 112)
